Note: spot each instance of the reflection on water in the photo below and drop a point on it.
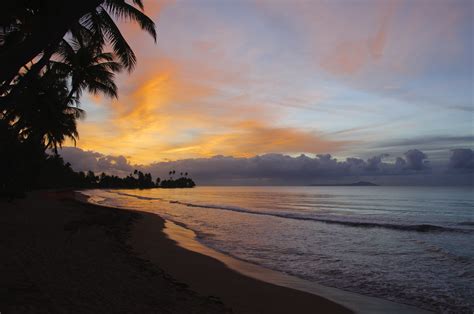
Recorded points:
(411, 245)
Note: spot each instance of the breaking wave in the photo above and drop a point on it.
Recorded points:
(286, 215)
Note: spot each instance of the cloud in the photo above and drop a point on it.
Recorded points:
(166, 115)
(371, 45)
(82, 160)
(462, 158)
(249, 138)
(415, 160)
(428, 140)
(374, 163)
(283, 78)
(351, 56)
(277, 169)
(438, 147)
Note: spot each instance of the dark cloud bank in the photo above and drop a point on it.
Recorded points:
(413, 168)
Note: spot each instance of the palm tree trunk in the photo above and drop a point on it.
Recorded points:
(31, 73)
(48, 30)
(34, 70)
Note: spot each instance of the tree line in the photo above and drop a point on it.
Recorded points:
(135, 180)
(55, 173)
(51, 53)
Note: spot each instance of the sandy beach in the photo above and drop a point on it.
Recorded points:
(63, 256)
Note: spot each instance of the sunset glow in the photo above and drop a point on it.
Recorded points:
(255, 77)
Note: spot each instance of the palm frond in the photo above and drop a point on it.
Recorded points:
(118, 42)
(112, 66)
(76, 112)
(107, 88)
(65, 50)
(93, 23)
(122, 10)
(139, 3)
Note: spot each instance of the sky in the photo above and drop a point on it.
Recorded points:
(238, 79)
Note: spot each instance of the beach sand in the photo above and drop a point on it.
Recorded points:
(62, 256)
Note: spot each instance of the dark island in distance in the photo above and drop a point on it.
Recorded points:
(360, 183)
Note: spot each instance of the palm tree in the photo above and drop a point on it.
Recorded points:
(43, 114)
(38, 33)
(101, 24)
(88, 68)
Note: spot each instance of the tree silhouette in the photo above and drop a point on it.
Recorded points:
(101, 24)
(43, 114)
(29, 29)
(51, 51)
(87, 68)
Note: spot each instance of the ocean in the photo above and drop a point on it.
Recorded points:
(412, 245)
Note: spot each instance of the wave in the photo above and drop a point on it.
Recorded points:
(136, 196)
(360, 224)
(351, 223)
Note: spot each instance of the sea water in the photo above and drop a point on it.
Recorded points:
(413, 245)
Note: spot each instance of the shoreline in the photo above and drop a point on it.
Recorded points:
(358, 303)
(185, 238)
(61, 255)
(174, 250)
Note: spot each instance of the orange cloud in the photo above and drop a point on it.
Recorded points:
(151, 112)
(165, 115)
(251, 138)
(214, 85)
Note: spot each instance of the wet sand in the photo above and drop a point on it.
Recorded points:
(63, 256)
(211, 277)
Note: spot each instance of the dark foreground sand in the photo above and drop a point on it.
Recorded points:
(62, 256)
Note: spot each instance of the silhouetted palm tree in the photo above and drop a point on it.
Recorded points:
(101, 24)
(88, 68)
(36, 97)
(43, 113)
(33, 31)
